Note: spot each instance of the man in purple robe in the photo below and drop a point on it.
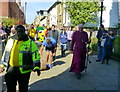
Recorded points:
(78, 47)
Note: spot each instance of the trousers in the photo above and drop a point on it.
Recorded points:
(13, 76)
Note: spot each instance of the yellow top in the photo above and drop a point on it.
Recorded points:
(32, 32)
(14, 56)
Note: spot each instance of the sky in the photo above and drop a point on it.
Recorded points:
(33, 6)
(36, 5)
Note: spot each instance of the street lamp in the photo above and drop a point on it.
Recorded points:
(25, 11)
(101, 12)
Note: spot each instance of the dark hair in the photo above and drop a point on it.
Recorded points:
(49, 28)
(20, 28)
(53, 25)
(102, 26)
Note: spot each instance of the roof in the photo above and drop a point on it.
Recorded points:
(56, 3)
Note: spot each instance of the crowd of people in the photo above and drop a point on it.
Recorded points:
(24, 45)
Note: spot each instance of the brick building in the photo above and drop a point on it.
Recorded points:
(12, 10)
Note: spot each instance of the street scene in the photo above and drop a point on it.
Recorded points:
(97, 77)
(59, 45)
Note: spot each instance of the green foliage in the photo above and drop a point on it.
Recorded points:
(118, 25)
(82, 12)
(93, 45)
(10, 21)
(116, 52)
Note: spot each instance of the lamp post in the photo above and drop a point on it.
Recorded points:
(25, 10)
(101, 12)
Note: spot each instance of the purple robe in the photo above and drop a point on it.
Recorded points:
(78, 46)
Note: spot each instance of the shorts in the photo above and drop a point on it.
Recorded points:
(52, 49)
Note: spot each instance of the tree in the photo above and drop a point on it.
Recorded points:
(10, 21)
(82, 12)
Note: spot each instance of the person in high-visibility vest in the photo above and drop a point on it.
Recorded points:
(41, 36)
(20, 57)
(32, 32)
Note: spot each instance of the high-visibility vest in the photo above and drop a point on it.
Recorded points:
(29, 56)
(32, 32)
(41, 37)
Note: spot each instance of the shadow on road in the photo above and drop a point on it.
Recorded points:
(58, 63)
(59, 82)
(99, 77)
(59, 56)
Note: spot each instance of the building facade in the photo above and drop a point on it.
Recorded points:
(12, 10)
(52, 14)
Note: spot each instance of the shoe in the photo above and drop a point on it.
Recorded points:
(78, 76)
(47, 64)
(50, 65)
(98, 60)
(103, 62)
(107, 62)
(63, 54)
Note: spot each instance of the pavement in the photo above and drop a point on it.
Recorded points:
(97, 77)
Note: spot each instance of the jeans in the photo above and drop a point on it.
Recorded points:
(63, 48)
(108, 51)
(101, 53)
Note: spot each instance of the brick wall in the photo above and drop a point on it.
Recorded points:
(4, 9)
(11, 9)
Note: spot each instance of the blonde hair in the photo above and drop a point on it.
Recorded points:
(48, 40)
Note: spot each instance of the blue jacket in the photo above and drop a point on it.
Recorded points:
(63, 38)
(109, 41)
(99, 35)
(53, 42)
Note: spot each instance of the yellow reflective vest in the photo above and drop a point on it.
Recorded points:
(32, 32)
(29, 57)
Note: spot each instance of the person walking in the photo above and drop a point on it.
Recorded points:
(20, 57)
(108, 46)
(49, 44)
(69, 37)
(101, 36)
(78, 48)
(32, 32)
(54, 34)
(63, 42)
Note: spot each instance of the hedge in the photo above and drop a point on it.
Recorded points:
(93, 45)
(116, 51)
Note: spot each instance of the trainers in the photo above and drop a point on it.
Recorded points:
(47, 64)
(103, 62)
(50, 65)
(78, 76)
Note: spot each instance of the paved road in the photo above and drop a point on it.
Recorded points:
(98, 76)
